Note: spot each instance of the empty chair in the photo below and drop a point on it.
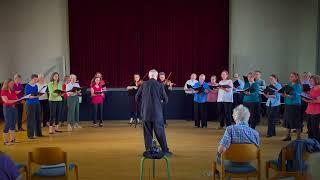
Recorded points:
(53, 162)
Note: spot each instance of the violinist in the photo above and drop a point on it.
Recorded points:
(134, 106)
(168, 88)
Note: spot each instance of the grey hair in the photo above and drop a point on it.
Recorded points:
(73, 76)
(153, 74)
(241, 114)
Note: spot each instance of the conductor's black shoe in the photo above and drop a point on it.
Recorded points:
(268, 136)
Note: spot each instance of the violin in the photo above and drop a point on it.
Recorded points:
(140, 82)
(168, 82)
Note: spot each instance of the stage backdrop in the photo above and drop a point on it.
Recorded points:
(123, 37)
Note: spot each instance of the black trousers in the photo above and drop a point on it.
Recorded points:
(64, 110)
(224, 113)
(313, 126)
(200, 114)
(45, 114)
(189, 102)
(212, 109)
(97, 111)
(134, 108)
(19, 107)
(254, 108)
(158, 128)
(164, 113)
(273, 115)
(55, 112)
(33, 120)
(237, 99)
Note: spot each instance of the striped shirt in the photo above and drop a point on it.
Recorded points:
(240, 133)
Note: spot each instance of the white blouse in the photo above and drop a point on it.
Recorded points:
(224, 96)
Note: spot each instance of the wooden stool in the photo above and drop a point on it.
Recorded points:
(154, 166)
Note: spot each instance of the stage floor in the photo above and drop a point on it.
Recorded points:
(113, 152)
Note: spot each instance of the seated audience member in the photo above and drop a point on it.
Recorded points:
(240, 133)
(8, 170)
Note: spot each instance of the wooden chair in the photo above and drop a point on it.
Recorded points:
(53, 163)
(239, 157)
(286, 154)
(22, 168)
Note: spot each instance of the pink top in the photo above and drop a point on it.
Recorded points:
(98, 98)
(314, 108)
(213, 95)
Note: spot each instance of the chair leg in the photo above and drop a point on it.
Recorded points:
(76, 170)
(213, 171)
(142, 168)
(168, 166)
(267, 169)
(26, 172)
(154, 168)
(221, 175)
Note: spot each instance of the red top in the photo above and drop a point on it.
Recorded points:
(98, 99)
(11, 95)
(213, 95)
(64, 87)
(314, 108)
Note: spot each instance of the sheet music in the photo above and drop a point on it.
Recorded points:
(43, 90)
(306, 96)
(24, 97)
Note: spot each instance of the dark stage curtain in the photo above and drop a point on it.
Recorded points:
(123, 37)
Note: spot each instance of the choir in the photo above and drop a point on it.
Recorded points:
(54, 103)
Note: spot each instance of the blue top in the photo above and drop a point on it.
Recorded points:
(201, 97)
(276, 100)
(240, 133)
(29, 89)
(255, 95)
(241, 85)
(295, 98)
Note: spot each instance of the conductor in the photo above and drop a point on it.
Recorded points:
(151, 94)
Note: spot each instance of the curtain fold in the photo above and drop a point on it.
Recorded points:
(123, 37)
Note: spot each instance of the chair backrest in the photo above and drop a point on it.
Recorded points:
(242, 153)
(48, 156)
(288, 154)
